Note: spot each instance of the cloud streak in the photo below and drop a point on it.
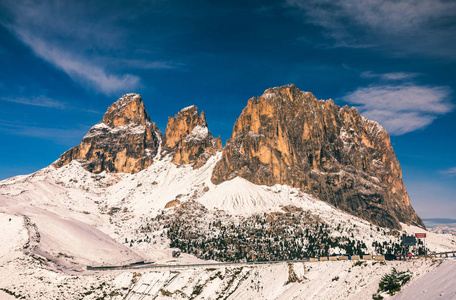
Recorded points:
(71, 38)
(54, 36)
(44, 101)
(424, 26)
(145, 64)
(449, 172)
(41, 101)
(78, 68)
(393, 76)
(67, 137)
(401, 108)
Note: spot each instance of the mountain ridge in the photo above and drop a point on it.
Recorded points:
(285, 136)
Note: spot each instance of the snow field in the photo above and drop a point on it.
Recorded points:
(116, 204)
(13, 235)
(439, 283)
(84, 219)
(320, 280)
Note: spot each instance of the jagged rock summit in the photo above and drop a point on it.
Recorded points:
(125, 141)
(188, 138)
(285, 136)
(289, 137)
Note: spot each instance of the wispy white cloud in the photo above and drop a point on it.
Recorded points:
(73, 39)
(401, 108)
(145, 64)
(41, 101)
(44, 101)
(82, 69)
(449, 172)
(414, 25)
(67, 137)
(79, 68)
(390, 76)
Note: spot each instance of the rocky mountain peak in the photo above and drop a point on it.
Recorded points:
(124, 141)
(287, 92)
(128, 109)
(188, 139)
(183, 123)
(289, 137)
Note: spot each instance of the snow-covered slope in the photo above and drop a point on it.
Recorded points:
(319, 280)
(63, 219)
(13, 235)
(74, 210)
(440, 283)
(69, 242)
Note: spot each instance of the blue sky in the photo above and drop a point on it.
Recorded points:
(64, 62)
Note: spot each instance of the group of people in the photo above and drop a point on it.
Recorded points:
(408, 255)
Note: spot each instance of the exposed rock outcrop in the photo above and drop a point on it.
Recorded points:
(289, 137)
(188, 138)
(125, 141)
(172, 203)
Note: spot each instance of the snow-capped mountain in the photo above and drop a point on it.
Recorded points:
(300, 177)
(283, 137)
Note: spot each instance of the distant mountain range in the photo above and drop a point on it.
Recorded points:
(441, 225)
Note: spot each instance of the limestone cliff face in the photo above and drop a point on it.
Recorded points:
(125, 141)
(289, 137)
(188, 138)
